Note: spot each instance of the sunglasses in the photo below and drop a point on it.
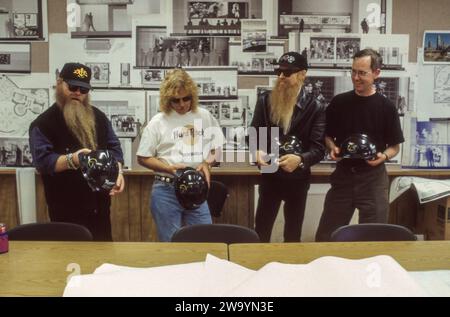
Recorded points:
(177, 100)
(74, 88)
(286, 72)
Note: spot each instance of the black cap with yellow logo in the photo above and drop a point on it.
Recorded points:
(76, 74)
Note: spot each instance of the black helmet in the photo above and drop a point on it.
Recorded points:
(191, 188)
(100, 169)
(359, 146)
(290, 144)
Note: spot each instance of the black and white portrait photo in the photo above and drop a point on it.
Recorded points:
(100, 73)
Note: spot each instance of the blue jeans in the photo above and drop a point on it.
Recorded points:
(168, 214)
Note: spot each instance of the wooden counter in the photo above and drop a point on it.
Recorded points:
(131, 219)
(41, 268)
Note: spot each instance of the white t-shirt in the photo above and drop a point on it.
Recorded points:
(185, 139)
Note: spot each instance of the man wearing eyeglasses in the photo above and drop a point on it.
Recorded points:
(294, 112)
(69, 127)
(181, 135)
(359, 183)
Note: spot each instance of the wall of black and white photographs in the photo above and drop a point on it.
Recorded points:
(335, 16)
(331, 50)
(215, 18)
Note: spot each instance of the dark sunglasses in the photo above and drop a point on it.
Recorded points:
(286, 72)
(74, 88)
(177, 100)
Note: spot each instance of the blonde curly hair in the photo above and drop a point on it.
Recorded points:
(174, 81)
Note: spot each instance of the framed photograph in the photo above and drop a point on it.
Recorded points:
(194, 51)
(25, 25)
(150, 49)
(322, 50)
(436, 47)
(100, 73)
(254, 36)
(15, 152)
(15, 57)
(215, 82)
(152, 78)
(346, 47)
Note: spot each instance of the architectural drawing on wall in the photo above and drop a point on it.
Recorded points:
(254, 36)
(19, 107)
(215, 18)
(442, 84)
(100, 73)
(15, 57)
(256, 63)
(215, 82)
(15, 152)
(436, 46)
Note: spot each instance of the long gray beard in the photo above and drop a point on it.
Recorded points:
(80, 120)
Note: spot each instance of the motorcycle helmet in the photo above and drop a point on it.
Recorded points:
(290, 144)
(359, 146)
(191, 188)
(100, 169)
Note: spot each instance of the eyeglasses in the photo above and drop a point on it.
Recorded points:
(177, 100)
(286, 72)
(360, 73)
(74, 88)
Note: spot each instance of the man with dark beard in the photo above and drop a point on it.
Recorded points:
(294, 113)
(69, 127)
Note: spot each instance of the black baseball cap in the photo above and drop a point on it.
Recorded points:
(76, 74)
(293, 60)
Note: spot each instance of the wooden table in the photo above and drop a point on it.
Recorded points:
(41, 268)
(413, 256)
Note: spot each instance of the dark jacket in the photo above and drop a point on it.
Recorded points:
(308, 124)
(67, 192)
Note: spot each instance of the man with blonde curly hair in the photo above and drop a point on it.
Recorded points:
(181, 135)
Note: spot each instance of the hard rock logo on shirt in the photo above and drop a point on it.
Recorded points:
(188, 134)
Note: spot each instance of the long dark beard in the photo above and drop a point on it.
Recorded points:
(80, 119)
(282, 100)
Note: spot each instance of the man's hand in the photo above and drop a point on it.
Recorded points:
(334, 153)
(289, 162)
(261, 158)
(120, 185)
(76, 159)
(204, 168)
(380, 159)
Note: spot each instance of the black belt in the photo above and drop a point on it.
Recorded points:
(165, 179)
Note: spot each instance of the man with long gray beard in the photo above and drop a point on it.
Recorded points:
(69, 127)
(295, 113)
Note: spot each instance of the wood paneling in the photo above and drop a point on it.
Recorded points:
(39, 57)
(57, 16)
(8, 197)
(413, 17)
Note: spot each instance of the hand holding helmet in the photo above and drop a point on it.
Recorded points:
(359, 146)
(100, 169)
(191, 188)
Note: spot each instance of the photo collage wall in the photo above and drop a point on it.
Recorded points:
(131, 45)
